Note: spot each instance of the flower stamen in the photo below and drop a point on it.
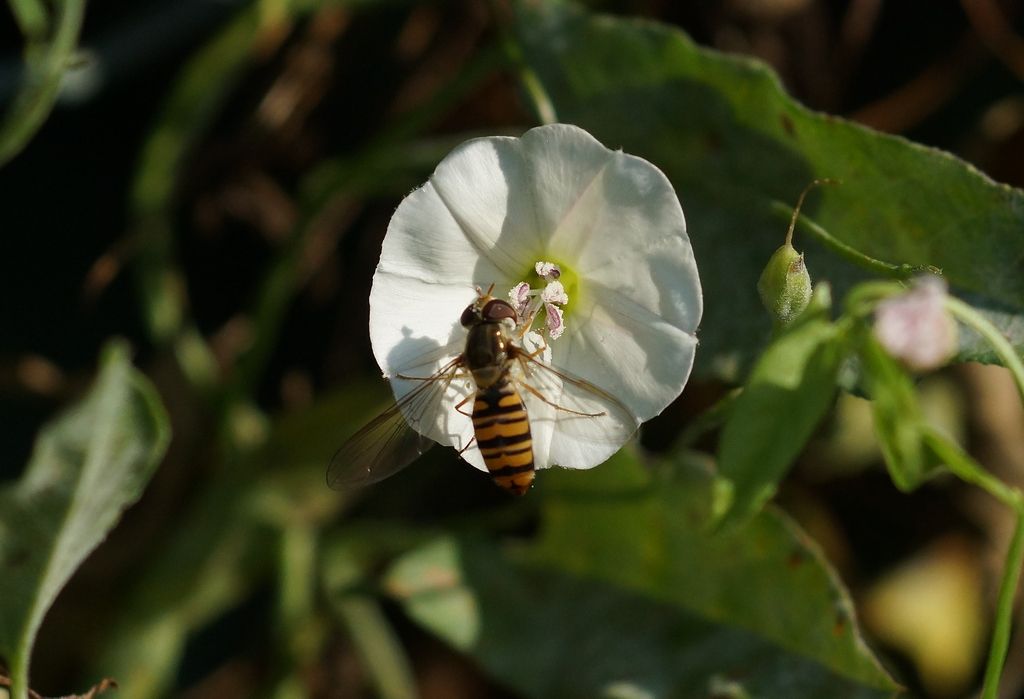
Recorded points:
(529, 301)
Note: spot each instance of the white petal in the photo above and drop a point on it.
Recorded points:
(414, 325)
(425, 242)
(561, 435)
(630, 351)
(631, 237)
(565, 161)
(483, 183)
(415, 331)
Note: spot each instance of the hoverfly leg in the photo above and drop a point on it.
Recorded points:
(556, 406)
(468, 445)
(525, 324)
(414, 378)
(540, 350)
(462, 403)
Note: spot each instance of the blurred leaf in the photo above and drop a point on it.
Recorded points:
(619, 525)
(222, 544)
(789, 390)
(546, 633)
(739, 150)
(897, 414)
(86, 468)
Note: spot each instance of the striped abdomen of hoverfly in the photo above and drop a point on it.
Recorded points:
(503, 434)
(500, 422)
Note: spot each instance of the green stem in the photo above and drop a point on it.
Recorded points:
(964, 467)
(879, 267)
(19, 669)
(967, 315)
(31, 18)
(1004, 611)
(296, 573)
(862, 299)
(377, 645)
(969, 470)
(45, 66)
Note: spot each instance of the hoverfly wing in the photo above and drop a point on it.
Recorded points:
(389, 442)
(581, 409)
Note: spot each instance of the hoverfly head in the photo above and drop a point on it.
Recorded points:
(487, 309)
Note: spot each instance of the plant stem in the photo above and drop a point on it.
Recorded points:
(31, 18)
(46, 63)
(1004, 610)
(378, 646)
(296, 573)
(971, 472)
(968, 470)
(800, 203)
(971, 318)
(1015, 556)
(19, 669)
(884, 269)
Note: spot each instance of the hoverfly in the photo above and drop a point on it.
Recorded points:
(503, 379)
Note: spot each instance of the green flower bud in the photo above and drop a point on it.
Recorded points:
(785, 285)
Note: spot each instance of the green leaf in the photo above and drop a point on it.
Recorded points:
(87, 467)
(546, 633)
(220, 548)
(739, 151)
(897, 414)
(789, 391)
(650, 536)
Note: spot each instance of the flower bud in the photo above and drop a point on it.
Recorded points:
(916, 328)
(785, 285)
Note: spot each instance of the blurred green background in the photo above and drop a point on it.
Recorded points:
(214, 184)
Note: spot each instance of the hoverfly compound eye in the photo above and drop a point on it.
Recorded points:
(469, 315)
(497, 310)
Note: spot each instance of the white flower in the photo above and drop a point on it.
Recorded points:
(557, 221)
(916, 328)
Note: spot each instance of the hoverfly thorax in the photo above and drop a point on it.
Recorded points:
(487, 342)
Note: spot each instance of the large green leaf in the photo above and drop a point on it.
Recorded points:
(549, 634)
(621, 526)
(87, 467)
(791, 387)
(739, 151)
